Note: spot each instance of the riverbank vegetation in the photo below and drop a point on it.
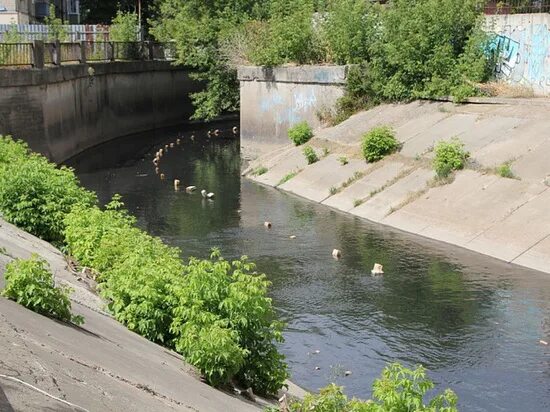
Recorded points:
(403, 49)
(214, 312)
(30, 283)
(398, 389)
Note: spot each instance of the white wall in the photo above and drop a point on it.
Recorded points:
(524, 42)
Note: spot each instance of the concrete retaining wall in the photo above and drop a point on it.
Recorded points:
(64, 110)
(273, 99)
(524, 42)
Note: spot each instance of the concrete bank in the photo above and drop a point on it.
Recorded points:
(505, 218)
(64, 110)
(100, 366)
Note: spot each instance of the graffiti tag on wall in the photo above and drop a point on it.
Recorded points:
(524, 55)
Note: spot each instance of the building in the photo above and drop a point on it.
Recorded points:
(35, 11)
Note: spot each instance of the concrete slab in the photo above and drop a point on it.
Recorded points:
(419, 125)
(514, 144)
(362, 188)
(379, 206)
(315, 181)
(489, 129)
(290, 160)
(538, 257)
(534, 165)
(522, 229)
(452, 126)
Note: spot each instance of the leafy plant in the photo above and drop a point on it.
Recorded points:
(449, 156)
(30, 283)
(310, 154)
(398, 389)
(35, 195)
(56, 29)
(378, 143)
(124, 27)
(300, 133)
(505, 170)
(333, 190)
(343, 160)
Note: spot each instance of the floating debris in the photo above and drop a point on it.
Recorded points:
(162, 176)
(347, 373)
(235, 130)
(317, 368)
(336, 254)
(217, 132)
(267, 225)
(543, 342)
(178, 141)
(157, 170)
(292, 237)
(378, 269)
(171, 144)
(190, 189)
(207, 195)
(176, 184)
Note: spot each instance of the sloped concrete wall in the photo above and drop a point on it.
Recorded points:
(274, 99)
(524, 44)
(64, 110)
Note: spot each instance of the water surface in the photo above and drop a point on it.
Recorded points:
(474, 322)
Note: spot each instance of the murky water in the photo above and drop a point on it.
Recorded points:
(474, 322)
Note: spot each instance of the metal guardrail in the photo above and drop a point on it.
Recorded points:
(517, 6)
(38, 54)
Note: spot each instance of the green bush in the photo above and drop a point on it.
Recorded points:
(398, 390)
(35, 195)
(505, 170)
(227, 302)
(124, 27)
(300, 133)
(30, 283)
(449, 156)
(378, 143)
(310, 154)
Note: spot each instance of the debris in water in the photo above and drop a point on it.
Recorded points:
(190, 189)
(378, 269)
(267, 225)
(347, 373)
(176, 184)
(293, 237)
(336, 254)
(162, 176)
(543, 342)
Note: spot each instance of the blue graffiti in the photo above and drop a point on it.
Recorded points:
(508, 53)
(270, 102)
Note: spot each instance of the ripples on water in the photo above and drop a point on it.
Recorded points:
(474, 322)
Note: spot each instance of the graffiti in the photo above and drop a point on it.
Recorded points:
(523, 52)
(272, 101)
(304, 100)
(508, 51)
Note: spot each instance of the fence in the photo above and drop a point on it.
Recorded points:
(517, 6)
(38, 54)
(75, 32)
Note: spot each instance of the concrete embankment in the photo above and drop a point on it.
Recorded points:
(100, 366)
(506, 218)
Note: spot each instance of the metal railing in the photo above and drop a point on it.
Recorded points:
(18, 54)
(39, 54)
(517, 6)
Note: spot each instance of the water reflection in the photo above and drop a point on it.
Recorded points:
(473, 321)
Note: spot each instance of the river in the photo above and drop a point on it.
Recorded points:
(474, 322)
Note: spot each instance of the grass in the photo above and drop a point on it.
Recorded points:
(326, 151)
(287, 177)
(343, 160)
(358, 202)
(505, 170)
(260, 170)
(503, 89)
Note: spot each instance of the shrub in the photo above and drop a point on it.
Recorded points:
(310, 154)
(30, 283)
(378, 143)
(35, 195)
(398, 389)
(260, 170)
(300, 133)
(505, 170)
(449, 156)
(226, 302)
(124, 27)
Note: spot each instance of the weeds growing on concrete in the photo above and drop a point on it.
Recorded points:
(326, 151)
(260, 170)
(449, 157)
(287, 177)
(343, 160)
(357, 202)
(333, 190)
(300, 133)
(505, 170)
(310, 154)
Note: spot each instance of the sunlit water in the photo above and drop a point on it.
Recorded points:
(474, 322)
